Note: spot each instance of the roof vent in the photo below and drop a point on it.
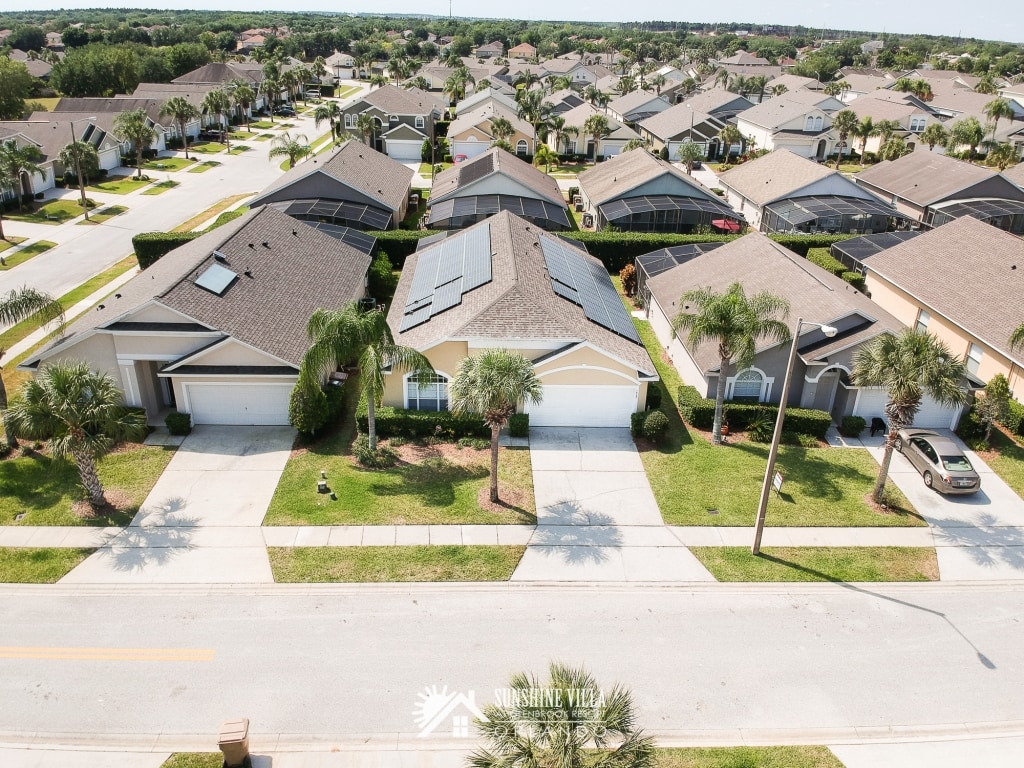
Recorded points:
(248, 273)
(117, 295)
(295, 232)
(266, 243)
(220, 257)
(253, 246)
(101, 306)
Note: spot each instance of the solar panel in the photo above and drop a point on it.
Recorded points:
(216, 279)
(463, 211)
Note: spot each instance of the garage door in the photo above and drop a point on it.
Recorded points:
(404, 151)
(572, 406)
(931, 416)
(240, 404)
(469, 148)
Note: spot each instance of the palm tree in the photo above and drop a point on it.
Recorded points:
(271, 88)
(778, 90)
(986, 85)
(689, 152)
(659, 81)
(293, 147)
(492, 384)
(894, 149)
(596, 127)
(1002, 155)
(419, 82)
(342, 335)
(967, 131)
(218, 103)
(502, 128)
(328, 112)
(758, 83)
(17, 166)
(585, 727)
(134, 126)
(569, 133)
(591, 93)
(735, 322)
(80, 412)
(366, 126)
(996, 109)
(545, 156)
(182, 111)
(844, 123)
(378, 80)
(556, 129)
(729, 136)
(908, 367)
(886, 129)
(625, 85)
(525, 81)
(533, 109)
(84, 158)
(935, 133)
(243, 96)
(865, 130)
(457, 83)
(319, 68)
(17, 306)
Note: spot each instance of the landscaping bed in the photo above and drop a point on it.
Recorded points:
(394, 564)
(36, 565)
(847, 564)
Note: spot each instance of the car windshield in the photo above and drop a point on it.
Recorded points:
(956, 464)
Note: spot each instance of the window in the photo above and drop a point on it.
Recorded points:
(747, 385)
(419, 121)
(809, 123)
(923, 318)
(426, 393)
(393, 119)
(818, 123)
(974, 355)
(917, 124)
(521, 147)
(348, 121)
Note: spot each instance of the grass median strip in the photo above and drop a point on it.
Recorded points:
(747, 757)
(11, 260)
(194, 760)
(388, 564)
(119, 186)
(104, 214)
(820, 563)
(161, 187)
(210, 213)
(168, 164)
(30, 565)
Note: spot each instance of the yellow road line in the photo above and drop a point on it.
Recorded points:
(108, 654)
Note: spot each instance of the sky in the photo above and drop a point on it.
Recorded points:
(994, 20)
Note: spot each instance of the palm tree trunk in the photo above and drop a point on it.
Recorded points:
(883, 473)
(2, 235)
(716, 431)
(371, 422)
(90, 478)
(184, 139)
(138, 160)
(495, 429)
(12, 441)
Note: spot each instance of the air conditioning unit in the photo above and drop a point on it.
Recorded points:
(579, 206)
(577, 200)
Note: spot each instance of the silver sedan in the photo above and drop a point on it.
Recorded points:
(942, 464)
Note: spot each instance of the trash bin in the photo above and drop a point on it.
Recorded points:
(234, 742)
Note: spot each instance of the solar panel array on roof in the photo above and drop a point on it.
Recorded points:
(476, 169)
(342, 212)
(622, 207)
(358, 239)
(586, 283)
(852, 252)
(425, 242)
(545, 214)
(446, 272)
(216, 279)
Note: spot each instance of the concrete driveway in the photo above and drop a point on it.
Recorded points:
(597, 519)
(977, 537)
(201, 522)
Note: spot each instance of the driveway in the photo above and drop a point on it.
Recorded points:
(978, 537)
(597, 519)
(201, 522)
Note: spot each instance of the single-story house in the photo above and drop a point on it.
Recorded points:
(506, 284)
(50, 132)
(522, 51)
(680, 124)
(481, 98)
(934, 189)
(637, 106)
(471, 134)
(821, 374)
(35, 182)
(619, 135)
(787, 123)
(355, 187)
(639, 192)
(340, 66)
(783, 192)
(962, 283)
(562, 100)
(217, 327)
(490, 50)
(471, 191)
(91, 105)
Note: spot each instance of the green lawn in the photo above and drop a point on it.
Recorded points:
(238, 149)
(1007, 460)
(48, 102)
(204, 166)
(211, 212)
(263, 125)
(696, 483)
(194, 760)
(747, 757)
(29, 565)
(55, 212)
(161, 187)
(820, 563)
(168, 164)
(425, 168)
(120, 186)
(10, 242)
(345, 91)
(264, 137)
(412, 216)
(44, 490)
(377, 564)
(104, 214)
(24, 254)
(207, 147)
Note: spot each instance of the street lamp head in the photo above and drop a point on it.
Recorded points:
(829, 330)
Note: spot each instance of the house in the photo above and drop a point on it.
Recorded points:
(341, 66)
(637, 106)
(35, 182)
(679, 124)
(910, 115)
(973, 307)
(579, 73)
(505, 284)
(783, 192)
(402, 117)
(91, 105)
(355, 187)
(790, 83)
(1015, 174)
(639, 192)
(720, 103)
(471, 132)
(160, 93)
(612, 144)
(50, 132)
(562, 100)
(217, 327)
(483, 97)
(821, 371)
(490, 50)
(471, 191)
(522, 51)
(787, 123)
(933, 189)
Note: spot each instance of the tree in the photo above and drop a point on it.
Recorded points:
(569, 133)
(865, 130)
(366, 127)
(596, 127)
(83, 158)
(293, 147)
(17, 306)
(729, 136)
(545, 156)
(17, 166)
(457, 82)
(80, 412)
(218, 103)
(502, 128)
(844, 122)
(886, 129)
(735, 322)
(135, 127)
(966, 132)
(585, 726)
(1002, 155)
(993, 404)
(689, 152)
(15, 87)
(242, 96)
(626, 84)
(182, 111)
(328, 112)
(492, 384)
(343, 335)
(996, 109)
(908, 366)
(894, 149)
(934, 133)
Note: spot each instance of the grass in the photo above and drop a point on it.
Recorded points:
(168, 164)
(377, 564)
(56, 212)
(747, 757)
(209, 213)
(38, 565)
(425, 168)
(413, 215)
(345, 91)
(204, 166)
(206, 147)
(44, 489)
(820, 563)
(10, 242)
(263, 137)
(1006, 458)
(121, 186)
(263, 125)
(161, 187)
(238, 149)
(48, 102)
(26, 253)
(194, 760)
(105, 214)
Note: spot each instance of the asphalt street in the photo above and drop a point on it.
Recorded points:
(349, 663)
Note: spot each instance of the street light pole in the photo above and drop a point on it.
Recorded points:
(773, 451)
(78, 167)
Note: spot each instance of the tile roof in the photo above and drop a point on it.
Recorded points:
(774, 176)
(518, 303)
(451, 182)
(619, 175)
(966, 270)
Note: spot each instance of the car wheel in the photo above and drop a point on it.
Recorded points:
(898, 445)
(928, 480)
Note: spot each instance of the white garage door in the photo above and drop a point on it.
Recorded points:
(932, 415)
(240, 404)
(405, 151)
(469, 148)
(571, 406)
(611, 150)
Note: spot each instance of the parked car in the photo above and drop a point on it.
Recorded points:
(460, 158)
(942, 464)
(284, 111)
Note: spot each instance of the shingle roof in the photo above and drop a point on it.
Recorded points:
(776, 112)
(1015, 174)
(716, 99)
(486, 113)
(675, 120)
(52, 131)
(618, 176)
(760, 264)
(403, 101)
(883, 109)
(494, 161)
(117, 105)
(518, 302)
(793, 82)
(635, 100)
(773, 176)
(966, 270)
(743, 58)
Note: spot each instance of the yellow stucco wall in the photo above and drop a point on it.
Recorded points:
(444, 357)
(159, 345)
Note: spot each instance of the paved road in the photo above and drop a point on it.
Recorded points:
(714, 663)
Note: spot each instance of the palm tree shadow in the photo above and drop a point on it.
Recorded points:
(577, 536)
(434, 480)
(138, 548)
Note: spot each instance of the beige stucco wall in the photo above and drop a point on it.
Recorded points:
(97, 350)
(444, 357)
(157, 313)
(156, 346)
(233, 353)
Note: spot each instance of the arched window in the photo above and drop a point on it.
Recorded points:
(818, 123)
(426, 393)
(748, 384)
(521, 147)
(809, 123)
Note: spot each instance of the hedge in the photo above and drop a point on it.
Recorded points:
(151, 246)
(700, 412)
(1014, 420)
(398, 422)
(829, 263)
(399, 243)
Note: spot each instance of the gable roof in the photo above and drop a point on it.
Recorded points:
(645, 101)
(927, 177)
(717, 100)
(518, 302)
(619, 175)
(577, 116)
(481, 97)
(218, 72)
(983, 269)
(494, 161)
(51, 131)
(793, 83)
(1015, 174)
(486, 113)
(773, 176)
(117, 105)
(402, 101)
(358, 166)
(776, 112)
(675, 120)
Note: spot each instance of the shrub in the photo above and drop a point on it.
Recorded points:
(971, 427)
(225, 217)
(636, 423)
(655, 426)
(151, 246)
(477, 443)
(419, 424)
(382, 280)
(399, 243)
(178, 423)
(700, 412)
(381, 458)
(1014, 420)
(519, 425)
(761, 427)
(822, 258)
(653, 397)
(852, 426)
(628, 277)
(307, 409)
(856, 279)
